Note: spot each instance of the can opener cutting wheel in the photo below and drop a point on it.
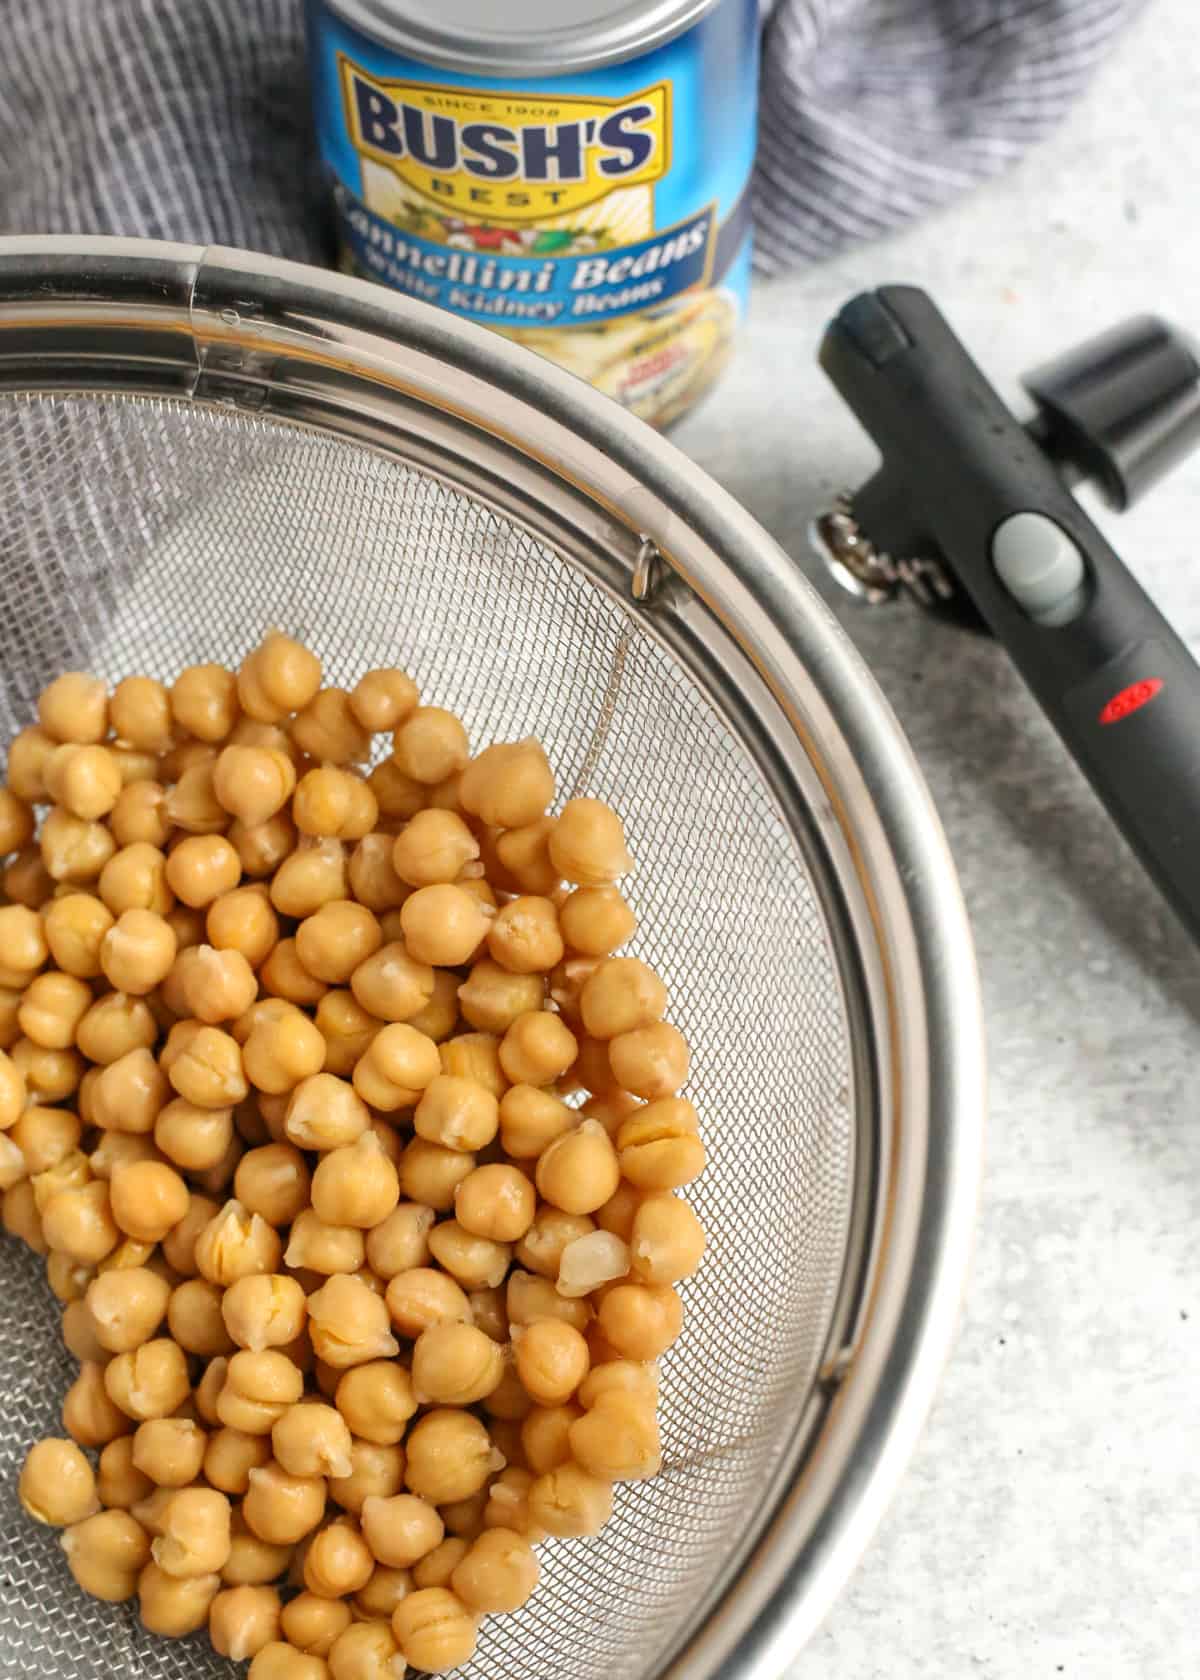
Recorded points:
(980, 508)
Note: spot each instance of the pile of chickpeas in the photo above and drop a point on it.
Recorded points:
(353, 1151)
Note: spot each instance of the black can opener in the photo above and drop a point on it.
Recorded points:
(979, 511)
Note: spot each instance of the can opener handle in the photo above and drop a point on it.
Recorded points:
(996, 540)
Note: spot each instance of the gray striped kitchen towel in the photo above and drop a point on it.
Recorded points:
(188, 119)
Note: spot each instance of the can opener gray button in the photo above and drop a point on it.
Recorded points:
(1041, 567)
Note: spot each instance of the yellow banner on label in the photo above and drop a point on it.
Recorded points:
(507, 157)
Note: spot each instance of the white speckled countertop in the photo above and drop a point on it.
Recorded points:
(1051, 1522)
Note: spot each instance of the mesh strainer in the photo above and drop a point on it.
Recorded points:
(196, 444)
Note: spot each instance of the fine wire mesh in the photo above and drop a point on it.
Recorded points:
(140, 535)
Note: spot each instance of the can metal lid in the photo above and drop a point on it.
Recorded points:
(522, 37)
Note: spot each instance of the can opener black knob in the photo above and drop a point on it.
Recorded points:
(980, 511)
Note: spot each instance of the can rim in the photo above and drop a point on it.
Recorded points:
(621, 30)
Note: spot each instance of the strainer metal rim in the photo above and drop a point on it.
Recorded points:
(221, 326)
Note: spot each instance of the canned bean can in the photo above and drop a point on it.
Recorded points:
(573, 173)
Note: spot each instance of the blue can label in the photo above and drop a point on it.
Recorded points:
(603, 219)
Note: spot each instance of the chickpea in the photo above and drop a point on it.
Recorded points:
(253, 783)
(139, 817)
(85, 781)
(170, 1451)
(537, 1048)
(667, 1239)
(429, 745)
(336, 939)
(588, 844)
(195, 1537)
(621, 996)
(118, 1483)
(449, 1456)
(179, 1245)
(252, 1562)
(437, 1566)
(281, 1508)
(430, 1174)
(508, 785)
(618, 1440)
(422, 1297)
(244, 921)
(551, 1360)
(381, 700)
(641, 1321)
(391, 985)
(27, 881)
(347, 1029)
(498, 1573)
(106, 1553)
(464, 1517)
(148, 1198)
(523, 937)
(50, 1075)
(375, 1470)
(16, 823)
(455, 1364)
(79, 1222)
(590, 1262)
(434, 1630)
(279, 677)
(338, 1562)
(140, 713)
(256, 1391)
(229, 1457)
(273, 1181)
(149, 1382)
(236, 1244)
(135, 879)
(193, 1138)
(433, 848)
(282, 1052)
(74, 708)
(496, 1202)
(242, 1620)
(376, 1400)
(28, 752)
(202, 868)
(204, 702)
(12, 1092)
(651, 1061)
(130, 1093)
(10, 1003)
(12, 1163)
(398, 1065)
(443, 925)
(400, 1243)
(545, 1242)
(327, 1249)
(456, 1114)
(264, 1311)
(492, 999)
(348, 1323)
(277, 1660)
(328, 731)
(74, 929)
(596, 921)
(217, 985)
(658, 1146)
(579, 1171)
(66, 1277)
(126, 1307)
(401, 1529)
(356, 1185)
(311, 1439)
(545, 1436)
(209, 1071)
(334, 803)
(88, 1414)
(23, 947)
(57, 1485)
(73, 1172)
(397, 796)
(284, 976)
(475, 1262)
(192, 804)
(263, 848)
(137, 953)
(620, 1376)
(194, 1318)
(313, 1624)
